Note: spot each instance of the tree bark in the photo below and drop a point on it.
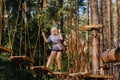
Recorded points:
(109, 24)
(119, 18)
(101, 36)
(44, 5)
(95, 38)
(117, 23)
(104, 22)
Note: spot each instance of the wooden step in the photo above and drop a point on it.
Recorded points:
(61, 74)
(96, 76)
(81, 74)
(21, 59)
(85, 75)
(41, 69)
(90, 27)
(4, 49)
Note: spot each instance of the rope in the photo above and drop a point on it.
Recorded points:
(29, 42)
(25, 20)
(38, 37)
(21, 37)
(36, 41)
(25, 33)
(6, 22)
(39, 51)
(16, 25)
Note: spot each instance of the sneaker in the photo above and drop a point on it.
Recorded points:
(58, 70)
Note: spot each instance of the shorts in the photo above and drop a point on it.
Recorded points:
(57, 47)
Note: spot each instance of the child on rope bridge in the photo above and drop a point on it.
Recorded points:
(56, 39)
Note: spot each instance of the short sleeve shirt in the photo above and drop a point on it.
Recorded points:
(55, 40)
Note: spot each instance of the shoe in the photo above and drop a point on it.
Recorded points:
(58, 70)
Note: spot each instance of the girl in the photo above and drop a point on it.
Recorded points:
(56, 39)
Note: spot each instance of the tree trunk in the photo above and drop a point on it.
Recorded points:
(88, 8)
(0, 21)
(104, 22)
(119, 19)
(44, 5)
(109, 24)
(95, 38)
(101, 36)
(118, 23)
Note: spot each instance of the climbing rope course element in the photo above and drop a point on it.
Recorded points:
(22, 58)
(15, 27)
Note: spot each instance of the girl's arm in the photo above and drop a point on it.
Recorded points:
(43, 34)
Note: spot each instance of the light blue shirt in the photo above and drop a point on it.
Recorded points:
(55, 40)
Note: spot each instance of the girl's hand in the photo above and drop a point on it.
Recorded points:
(43, 34)
(59, 31)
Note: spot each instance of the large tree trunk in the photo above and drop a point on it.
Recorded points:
(0, 21)
(118, 23)
(119, 19)
(101, 36)
(104, 22)
(95, 38)
(109, 24)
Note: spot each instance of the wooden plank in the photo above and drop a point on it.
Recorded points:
(41, 69)
(83, 75)
(99, 76)
(61, 74)
(117, 64)
(21, 59)
(66, 74)
(80, 74)
(4, 49)
(90, 27)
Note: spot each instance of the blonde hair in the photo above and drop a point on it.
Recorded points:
(53, 28)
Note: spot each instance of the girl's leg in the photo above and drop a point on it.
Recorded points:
(53, 53)
(58, 60)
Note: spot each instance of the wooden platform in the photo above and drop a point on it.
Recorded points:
(21, 59)
(95, 76)
(85, 75)
(69, 75)
(61, 74)
(81, 75)
(4, 49)
(117, 64)
(41, 69)
(90, 27)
